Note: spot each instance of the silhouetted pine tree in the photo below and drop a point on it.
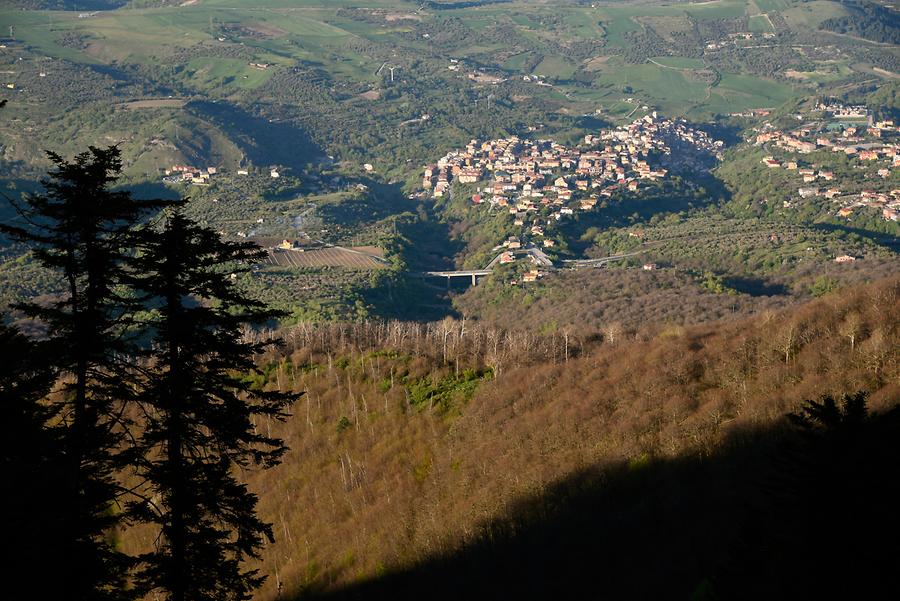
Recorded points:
(33, 506)
(84, 230)
(201, 416)
(827, 526)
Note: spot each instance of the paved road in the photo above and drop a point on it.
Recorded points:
(458, 274)
(539, 257)
(578, 263)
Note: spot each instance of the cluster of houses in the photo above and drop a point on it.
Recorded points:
(186, 173)
(839, 110)
(539, 182)
(733, 39)
(873, 143)
(202, 176)
(548, 173)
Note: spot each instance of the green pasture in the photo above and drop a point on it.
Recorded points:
(810, 14)
(675, 92)
(737, 93)
(826, 72)
(306, 4)
(478, 21)
(219, 72)
(583, 23)
(555, 66)
(767, 6)
(680, 62)
(716, 9)
(523, 19)
(759, 24)
(748, 84)
(724, 9)
(668, 88)
(616, 26)
(618, 20)
(146, 35)
(517, 61)
(41, 30)
(574, 21)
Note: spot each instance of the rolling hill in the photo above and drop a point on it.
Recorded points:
(451, 459)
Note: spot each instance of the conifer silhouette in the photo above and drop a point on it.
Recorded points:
(31, 460)
(84, 230)
(201, 415)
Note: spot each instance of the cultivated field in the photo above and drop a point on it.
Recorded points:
(334, 256)
(156, 103)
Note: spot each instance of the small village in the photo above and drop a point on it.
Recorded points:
(540, 182)
(737, 40)
(847, 129)
(186, 173)
(201, 176)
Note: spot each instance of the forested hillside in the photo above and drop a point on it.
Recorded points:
(419, 441)
(868, 20)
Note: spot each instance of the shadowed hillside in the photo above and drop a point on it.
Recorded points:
(770, 514)
(447, 440)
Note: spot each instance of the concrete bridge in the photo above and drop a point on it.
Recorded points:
(536, 254)
(466, 273)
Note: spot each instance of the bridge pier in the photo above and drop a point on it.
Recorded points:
(473, 274)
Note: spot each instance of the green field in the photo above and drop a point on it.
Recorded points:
(671, 90)
(618, 20)
(760, 24)
(679, 62)
(555, 66)
(517, 62)
(767, 6)
(616, 26)
(143, 36)
(716, 9)
(740, 92)
(810, 14)
(216, 72)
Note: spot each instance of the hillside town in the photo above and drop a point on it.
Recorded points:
(554, 174)
(538, 182)
(548, 173)
(872, 147)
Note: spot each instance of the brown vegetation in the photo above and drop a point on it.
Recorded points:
(378, 478)
(592, 299)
